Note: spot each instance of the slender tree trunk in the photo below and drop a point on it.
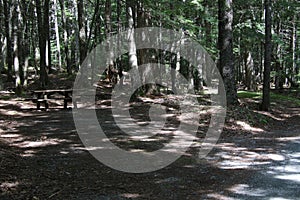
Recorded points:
(55, 6)
(293, 50)
(7, 7)
(110, 62)
(226, 50)
(66, 41)
(265, 106)
(173, 59)
(119, 61)
(2, 42)
(16, 38)
(279, 77)
(133, 61)
(249, 72)
(47, 35)
(82, 31)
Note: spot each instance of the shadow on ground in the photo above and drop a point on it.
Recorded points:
(42, 157)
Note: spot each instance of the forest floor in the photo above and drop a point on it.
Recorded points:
(256, 157)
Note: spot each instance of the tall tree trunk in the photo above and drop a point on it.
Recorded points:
(66, 41)
(16, 44)
(279, 77)
(108, 29)
(133, 61)
(226, 50)
(82, 31)
(57, 34)
(293, 50)
(265, 106)
(249, 72)
(47, 35)
(42, 43)
(119, 61)
(2, 42)
(7, 7)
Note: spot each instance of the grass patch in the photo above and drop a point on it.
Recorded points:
(279, 97)
(5, 98)
(274, 96)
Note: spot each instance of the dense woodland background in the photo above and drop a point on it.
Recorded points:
(255, 43)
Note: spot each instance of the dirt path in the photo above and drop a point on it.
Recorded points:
(42, 157)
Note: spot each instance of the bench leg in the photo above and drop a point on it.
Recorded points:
(65, 103)
(46, 104)
(38, 105)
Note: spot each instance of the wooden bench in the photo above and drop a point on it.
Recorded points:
(44, 96)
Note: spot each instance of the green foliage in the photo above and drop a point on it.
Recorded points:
(274, 97)
(279, 97)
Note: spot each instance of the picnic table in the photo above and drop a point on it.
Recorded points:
(44, 96)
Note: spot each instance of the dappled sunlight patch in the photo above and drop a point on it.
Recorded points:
(245, 189)
(9, 135)
(12, 137)
(74, 148)
(275, 157)
(37, 144)
(7, 186)
(219, 196)
(290, 171)
(289, 177)
(248, 127)
(29, 153)
(233, 157)
(130, 195)
(268, 114)
(288, 139)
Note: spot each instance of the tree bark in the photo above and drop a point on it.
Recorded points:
(133, 61)
(42, 43)
(7, 7)
(16, 43)
(57, 34)
(82, 32)
(265, 106)
(110, 62)
(66, 41)
(226, 63)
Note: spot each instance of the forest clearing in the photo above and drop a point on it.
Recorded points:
(131, 99)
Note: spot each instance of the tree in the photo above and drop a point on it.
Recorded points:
(42, 39)
(55, 6)
(268, 56)
(226, 63)
(7, 10)
(82, 31)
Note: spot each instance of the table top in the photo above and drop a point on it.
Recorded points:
(52, 90)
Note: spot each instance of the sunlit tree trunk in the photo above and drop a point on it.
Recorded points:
(293, 40)
(47, 34)
(16, 45)
(57, 33)
(133, 61)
